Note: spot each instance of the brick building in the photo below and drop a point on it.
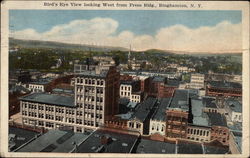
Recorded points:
(178, 114)
(223, 88)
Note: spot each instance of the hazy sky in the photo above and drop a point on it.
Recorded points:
(143, 29)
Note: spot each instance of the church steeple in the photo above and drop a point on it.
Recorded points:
(129, 53)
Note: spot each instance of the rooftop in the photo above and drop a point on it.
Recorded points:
(128, 82)
(188, 148)
(60, 90)
(115, 143)
(215, 150)
(49, 99)
(217, 119)
(199, 117)
(174, 83)
(158, 79)
(160, 113)
(93, 74)
(180, 100)
(55, 141)
(224, 84)
(21, 136)
(209, 102)
(151, 146)
(234, 105)
(143, 109)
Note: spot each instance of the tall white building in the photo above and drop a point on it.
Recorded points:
(197, 81)
(96, 100)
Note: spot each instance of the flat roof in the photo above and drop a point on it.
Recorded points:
(234, 105)
(180, 100)
(143, 109)
(209, 102)
(128, 82)
(215, 150)
(93, 74)
(199, 117)
(171, 82)
(151, 146)
(118, 143)
(160, 113)
(21, 136)
(224, 84)
(188, 148)
(49, 99)
(54, 141)
(158, 79)
(217, 119)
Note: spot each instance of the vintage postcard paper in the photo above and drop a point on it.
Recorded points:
(124, 79)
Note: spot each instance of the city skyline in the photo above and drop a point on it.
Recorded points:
(189, 31)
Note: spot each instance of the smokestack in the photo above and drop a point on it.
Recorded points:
(87, 62)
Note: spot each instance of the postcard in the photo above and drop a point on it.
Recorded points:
(124, 79)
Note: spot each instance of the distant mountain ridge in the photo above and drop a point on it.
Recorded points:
(59, 45)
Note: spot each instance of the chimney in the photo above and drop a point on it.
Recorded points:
(98, 70)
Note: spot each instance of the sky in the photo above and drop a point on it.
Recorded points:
(195, 31)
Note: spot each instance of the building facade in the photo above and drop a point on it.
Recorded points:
(96, 100)
(197, 81)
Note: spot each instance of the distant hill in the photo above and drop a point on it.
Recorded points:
(57, 45)
(158, 51)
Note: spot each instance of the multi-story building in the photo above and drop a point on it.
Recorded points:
(49, 111)
(36, 87)
(128, 87)
(223, 88)
(155, 85)
(209, 105)
(96, 100)
(178, 115)
(233, 109)
(199, 133)
(97, 94)
(167, 89)
(219, 129)
(158, 120)
(141, 118)
(136, 97)
(197, 81)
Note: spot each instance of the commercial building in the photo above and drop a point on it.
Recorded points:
(141, 118)
(97, 95)
(127, 87)
(178, 115)
(158, 120)
(233, 110)
(224, 88)
(197, 81)
(95, 100)
(219, 129)
(36, 87)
